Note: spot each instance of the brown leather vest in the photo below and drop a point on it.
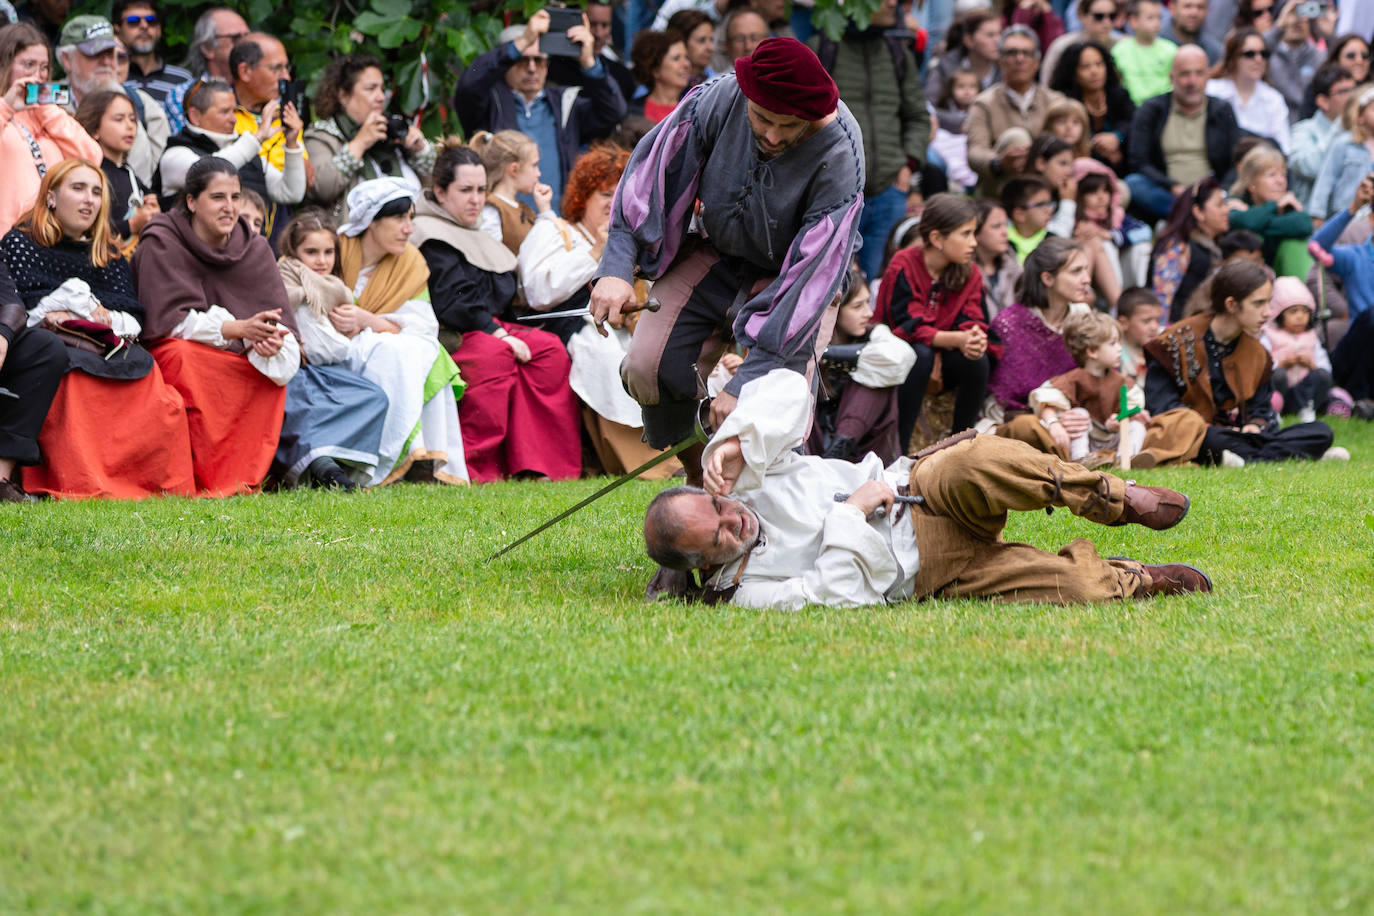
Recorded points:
(1181, 351)
(516, 222)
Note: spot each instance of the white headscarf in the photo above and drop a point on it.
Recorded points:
(367, 199)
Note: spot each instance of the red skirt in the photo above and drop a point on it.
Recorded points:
(518, 417)
(114, 438)
(233, 411)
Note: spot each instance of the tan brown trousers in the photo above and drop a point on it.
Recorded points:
(968, 491)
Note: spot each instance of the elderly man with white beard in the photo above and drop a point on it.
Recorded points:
(775, 529)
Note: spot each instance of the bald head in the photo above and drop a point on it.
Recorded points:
(1188, 76)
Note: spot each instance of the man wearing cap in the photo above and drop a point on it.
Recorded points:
(87, 51)
(743, 205)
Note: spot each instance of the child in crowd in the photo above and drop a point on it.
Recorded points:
(1052, 159)
(856, 405)
(1302, 370)
(1093, 390)
(253, 208)
(1067, 119)
(1144, 58)
(1138, 314)
(512, 163)
(949, 145)
(1093, 230)
(1029, 202)
(109, 117)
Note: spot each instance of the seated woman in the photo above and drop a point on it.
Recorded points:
(1186, 251)
(32, 363)
(350, 140)
(1055, 281)
(69, 273)
(932, 298)
(381, 327)
(994, 256)
(1215, 365)
(660, 64)
(1268, 209)
(557, 261)
(223, 335)
(519, 415)
(856, 406)
(109, 117)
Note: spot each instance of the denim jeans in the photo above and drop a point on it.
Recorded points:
(882, 213)
(1153, 199)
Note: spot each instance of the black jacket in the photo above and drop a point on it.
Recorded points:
(484, 102)
(1145, 153)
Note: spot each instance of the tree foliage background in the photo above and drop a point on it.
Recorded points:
(423, 44)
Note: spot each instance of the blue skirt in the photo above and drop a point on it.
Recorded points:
(330, 413)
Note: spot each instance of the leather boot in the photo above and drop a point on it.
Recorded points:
(11, 492)
(1174, 579)
(1154, 507)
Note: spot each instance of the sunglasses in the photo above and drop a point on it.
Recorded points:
(1251, 55)
(1262, 11)
(1101, 17)
(151, 19)
(1018, 52)
(1354, 55)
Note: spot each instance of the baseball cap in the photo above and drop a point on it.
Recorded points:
(90, 34)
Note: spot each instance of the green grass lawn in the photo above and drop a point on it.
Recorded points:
(313, 703)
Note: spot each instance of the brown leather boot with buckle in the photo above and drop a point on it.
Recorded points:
(1154, 507)
(1174, 579)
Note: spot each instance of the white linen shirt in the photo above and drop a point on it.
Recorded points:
(1266, 114)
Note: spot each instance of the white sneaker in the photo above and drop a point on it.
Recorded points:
(1230, 459)
(1336, 453)
(1307, 414)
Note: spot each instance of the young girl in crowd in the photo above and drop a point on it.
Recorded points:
(1052, 159)
(512, 162)
(856, 407)
(1186, 251)
(389, 338)
(932, 297)
(949, 145)
(1214, 364)
(1271, 211)
(109, 117)
(994, 256)
(1093, 230)
(1302, 370)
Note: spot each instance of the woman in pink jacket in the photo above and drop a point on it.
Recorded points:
(32, 137)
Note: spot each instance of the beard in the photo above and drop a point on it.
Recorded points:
(143, 47)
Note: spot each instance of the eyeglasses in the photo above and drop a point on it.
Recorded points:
(1040, 205)
(1101, 17)
(30, 67)
(1262, 11)
(232, 38)
(122, 57)
(151, 19)
(1251, 55)
(1018, 52)
(1354, 55)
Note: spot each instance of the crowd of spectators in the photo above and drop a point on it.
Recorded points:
(1061, 198)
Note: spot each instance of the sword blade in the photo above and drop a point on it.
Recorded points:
(566, 313)
(648, 465)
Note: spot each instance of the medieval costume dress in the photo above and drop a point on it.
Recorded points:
(244, 410)
(856, 404)
(419, 378)
(517, 418)
(115, 428)
(1228, 384)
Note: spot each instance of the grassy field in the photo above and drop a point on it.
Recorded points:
(317, 703)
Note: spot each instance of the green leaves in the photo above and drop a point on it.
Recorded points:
(390, 21)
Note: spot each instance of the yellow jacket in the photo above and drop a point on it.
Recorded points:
(274, 149)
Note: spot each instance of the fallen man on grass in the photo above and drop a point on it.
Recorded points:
(769, 532)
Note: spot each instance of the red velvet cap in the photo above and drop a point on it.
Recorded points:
(785, 77)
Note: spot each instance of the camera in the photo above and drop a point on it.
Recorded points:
(293, 91)
(396, 128)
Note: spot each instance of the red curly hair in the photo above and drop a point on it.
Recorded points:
(598, 169)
